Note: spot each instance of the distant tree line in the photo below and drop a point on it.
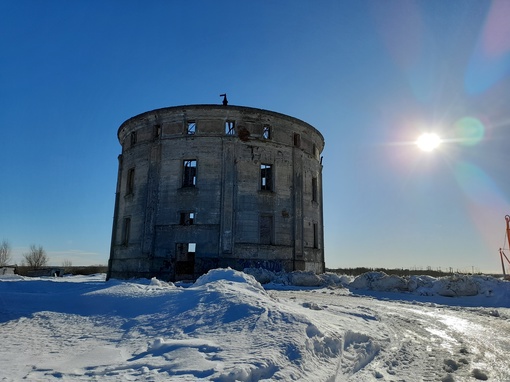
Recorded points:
(36, 258)
(72, 270)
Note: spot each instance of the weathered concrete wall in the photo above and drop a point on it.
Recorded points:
(238, 218)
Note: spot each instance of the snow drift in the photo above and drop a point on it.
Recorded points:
(227, 327)
(450, 286)
(214, 329)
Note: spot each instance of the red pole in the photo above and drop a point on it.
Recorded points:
(501, 254)
(507, 218)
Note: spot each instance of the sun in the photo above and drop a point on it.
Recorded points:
(428, 142)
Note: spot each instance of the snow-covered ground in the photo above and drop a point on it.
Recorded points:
(227, 327)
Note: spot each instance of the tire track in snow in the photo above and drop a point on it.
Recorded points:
(438, 343)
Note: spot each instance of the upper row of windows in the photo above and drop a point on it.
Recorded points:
(191, 129)
(230, 130)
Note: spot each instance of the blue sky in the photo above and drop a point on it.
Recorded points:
(370, 75)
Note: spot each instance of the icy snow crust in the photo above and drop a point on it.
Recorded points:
(227, 327)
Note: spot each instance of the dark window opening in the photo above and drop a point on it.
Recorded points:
(130, 184)
(315, 235)
(156, 131)
(314, 189)
(266, 230)
(266, 132)
(126, 231)
(133, 138)
(185, 259)
(230, 128)
(185, 250)
(187, 218)
(297, 140)
(189, 178)
(266, 177)
(191, 128)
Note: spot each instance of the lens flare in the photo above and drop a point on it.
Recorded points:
(428, 141)
(469, 131)
(490, 62)
(486, 202)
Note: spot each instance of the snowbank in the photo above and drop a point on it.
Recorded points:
(379, 281)
(228, 275)
(450, 286)
(296, 278)
(225, 327)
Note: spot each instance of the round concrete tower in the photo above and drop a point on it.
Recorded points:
(207, 186)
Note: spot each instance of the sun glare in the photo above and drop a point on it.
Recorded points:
(428, 141)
